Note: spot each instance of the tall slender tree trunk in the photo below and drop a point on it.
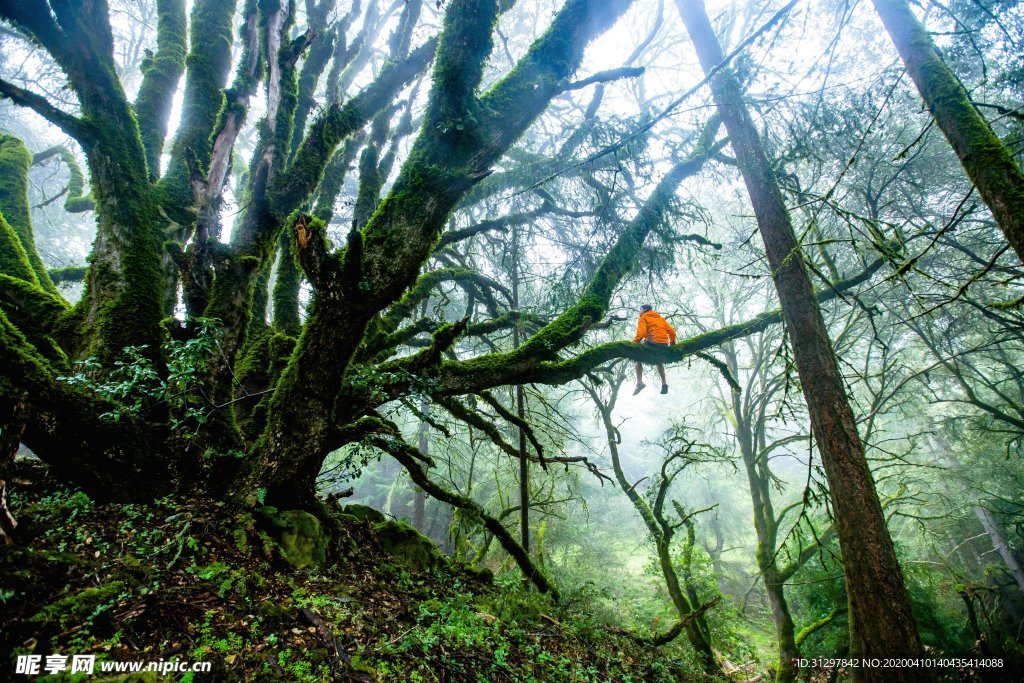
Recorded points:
(696, 629)
(988, 162)
(998, 539)
(990, 524)
(881, 621)
(524, 470)
(419, 498)
(767, 534)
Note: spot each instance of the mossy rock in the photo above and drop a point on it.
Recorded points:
(482, 574)
(408, 546)
(363, 513)
(303, 541)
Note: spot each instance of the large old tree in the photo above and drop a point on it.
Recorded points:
(274, 398)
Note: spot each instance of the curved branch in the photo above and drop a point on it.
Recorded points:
(76, 200)
(477, 374)
(72, 125)
(409, 459)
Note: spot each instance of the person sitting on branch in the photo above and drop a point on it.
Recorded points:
(652, 330)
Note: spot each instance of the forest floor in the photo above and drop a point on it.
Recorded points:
(190, 580)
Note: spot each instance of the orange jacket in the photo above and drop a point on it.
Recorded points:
(654, 328)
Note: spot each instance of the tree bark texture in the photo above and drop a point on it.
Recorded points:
(988, 162)
(881, 621)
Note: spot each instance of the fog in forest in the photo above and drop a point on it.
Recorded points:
(332, 336)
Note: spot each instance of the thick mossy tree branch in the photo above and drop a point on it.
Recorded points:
(380, 346)
(478, 374)
(334, 177)
(520, 97)
(38, 314)
(75, 198)
(287, 284)
(35, 20)
(207, 67)
(409, 458)
(160, 75)
(13, 259)
(122, 460)
(236, 107)
(370, 180)
(15, 161)
(295, 185)
(321, 49)
(442, 340)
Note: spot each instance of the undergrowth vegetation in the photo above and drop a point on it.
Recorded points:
(182, 579)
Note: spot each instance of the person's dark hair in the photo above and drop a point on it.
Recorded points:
(646, 307)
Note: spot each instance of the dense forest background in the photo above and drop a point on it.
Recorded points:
(283, 281)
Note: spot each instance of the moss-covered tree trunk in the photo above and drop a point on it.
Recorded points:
(122, 302)
(463, 134)
(988, 162)
(15, 160)
(881, 621)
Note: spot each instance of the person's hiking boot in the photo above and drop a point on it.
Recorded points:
(639, 388)
(664, 388)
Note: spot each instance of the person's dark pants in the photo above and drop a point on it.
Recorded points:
(658, 366)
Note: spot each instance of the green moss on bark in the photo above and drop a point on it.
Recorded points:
(15, 160)
(988, 162)
(75, 198)
(320, 51)
(286, 286)
(207, 67)
(124, 286)
(160, 75)
(37, 313)
(13, 259)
